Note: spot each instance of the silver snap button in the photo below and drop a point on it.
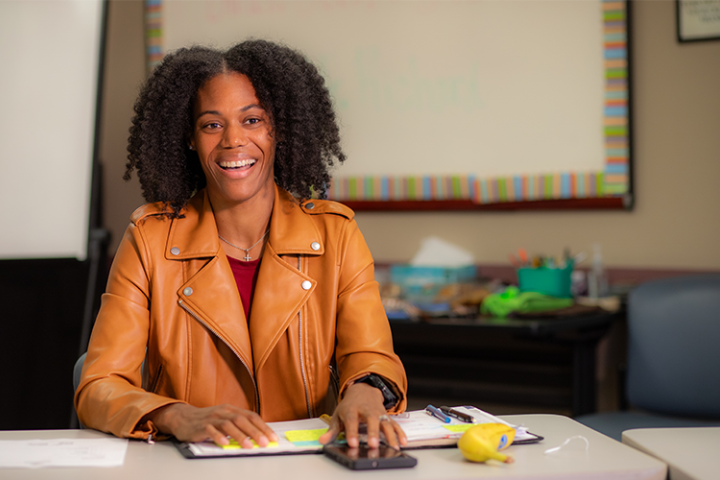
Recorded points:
(175, 251)
(310, 206)
(315, 246)
(306, 285)
(187, 291)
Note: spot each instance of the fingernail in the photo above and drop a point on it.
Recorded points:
(274, 438)
(353, 442)
(263, 441)
(373, 442)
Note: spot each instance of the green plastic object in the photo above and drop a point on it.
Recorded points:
(555, 282)
(512, 300)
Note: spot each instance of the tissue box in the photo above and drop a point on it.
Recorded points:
(426, 281)
(555, 282)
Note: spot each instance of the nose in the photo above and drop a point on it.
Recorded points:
(234, 136)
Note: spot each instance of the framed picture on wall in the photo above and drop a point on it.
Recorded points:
(698, 20)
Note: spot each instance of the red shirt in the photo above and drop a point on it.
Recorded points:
(245, 274)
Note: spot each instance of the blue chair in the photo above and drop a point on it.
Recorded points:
(77, 371)
(673, 368)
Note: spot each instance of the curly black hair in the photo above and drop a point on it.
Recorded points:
(288, 87)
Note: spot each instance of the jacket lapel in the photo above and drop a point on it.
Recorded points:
(210, 293)
(215, 301)
(279, 293)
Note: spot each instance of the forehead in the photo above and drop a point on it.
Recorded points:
(226, 91)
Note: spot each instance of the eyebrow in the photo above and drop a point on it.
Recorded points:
(215, 112)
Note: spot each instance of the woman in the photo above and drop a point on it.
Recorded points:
(246, 303)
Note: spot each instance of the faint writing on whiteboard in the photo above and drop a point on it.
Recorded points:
(383, 82)
(218, 10)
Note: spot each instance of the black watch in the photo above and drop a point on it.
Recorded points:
(389, 397)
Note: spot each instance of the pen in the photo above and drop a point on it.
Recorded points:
(435, 412)
(463, 417)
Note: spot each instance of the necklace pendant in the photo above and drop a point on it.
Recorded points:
(247, 257)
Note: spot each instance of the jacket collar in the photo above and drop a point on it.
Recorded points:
(292, 231)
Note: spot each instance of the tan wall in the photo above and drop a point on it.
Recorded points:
(675, 223)
(124, 74)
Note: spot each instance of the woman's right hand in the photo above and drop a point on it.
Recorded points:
(192, 424)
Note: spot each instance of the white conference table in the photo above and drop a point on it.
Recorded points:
(606, 459)
(692, 453)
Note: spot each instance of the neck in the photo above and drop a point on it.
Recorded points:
(243, 223)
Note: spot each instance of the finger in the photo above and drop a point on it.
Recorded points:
(387, 428)
(373, 431)
(228, 428)
(333, 431)
(241, 428)
(216, 435)
(263, 427)
(396, 432)
(400, 434)
(256, 434)
(351, 428)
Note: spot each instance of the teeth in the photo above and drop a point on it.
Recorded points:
(241, 163)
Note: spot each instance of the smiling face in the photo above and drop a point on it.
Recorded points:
(232, 135)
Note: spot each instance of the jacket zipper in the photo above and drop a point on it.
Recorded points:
(252, 377)
(156, 382)
(334, 378)
(300, 350)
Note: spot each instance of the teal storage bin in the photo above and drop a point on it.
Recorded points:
(555, 282)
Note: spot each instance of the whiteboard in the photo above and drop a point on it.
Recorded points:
(483, 89)
(49, 52)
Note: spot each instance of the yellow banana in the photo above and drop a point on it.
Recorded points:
(499, 434)
(482, 442)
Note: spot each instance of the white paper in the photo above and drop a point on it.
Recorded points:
(204, 449)
(436, 252)
(63, 452)
(418, 425)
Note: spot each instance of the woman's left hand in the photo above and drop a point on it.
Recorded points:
(363, 403)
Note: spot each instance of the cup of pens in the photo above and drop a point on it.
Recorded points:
(545, 275)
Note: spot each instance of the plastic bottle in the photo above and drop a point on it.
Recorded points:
(597, 280)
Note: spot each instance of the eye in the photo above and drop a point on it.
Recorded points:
(253, 121)
(211, 126)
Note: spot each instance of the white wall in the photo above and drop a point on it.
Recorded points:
(676, 221)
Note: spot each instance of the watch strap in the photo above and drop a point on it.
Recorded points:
(389, 397)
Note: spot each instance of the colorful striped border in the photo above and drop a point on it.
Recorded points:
(153, 33)
(616, 121)
(418, 188)
(464, 187)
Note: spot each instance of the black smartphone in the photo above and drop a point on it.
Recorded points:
(366, 458)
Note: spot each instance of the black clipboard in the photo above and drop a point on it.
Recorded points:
(529, 441)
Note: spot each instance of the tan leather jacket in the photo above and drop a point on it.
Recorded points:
(316, 322)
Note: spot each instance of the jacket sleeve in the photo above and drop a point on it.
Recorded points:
(110, 396)
(364, 338)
